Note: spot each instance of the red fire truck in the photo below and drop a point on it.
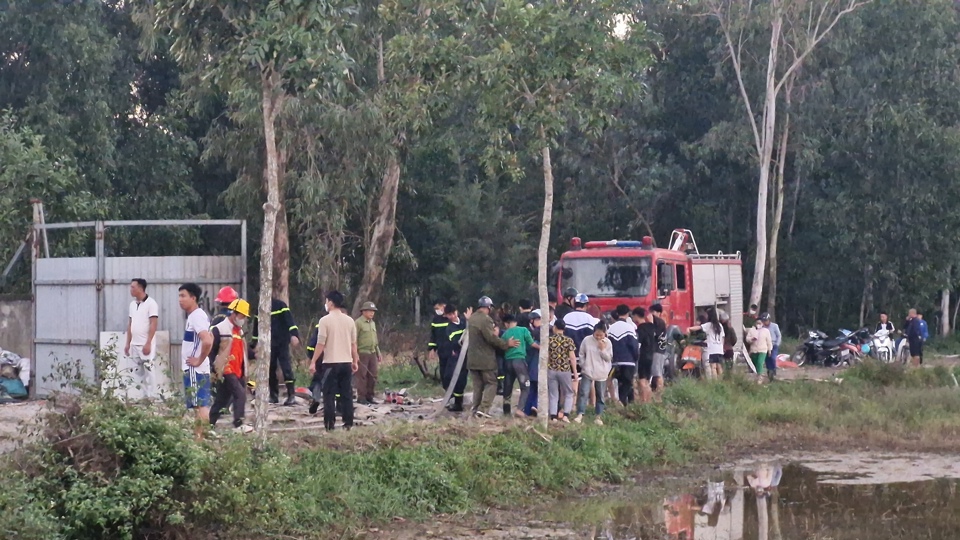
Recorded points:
(636, 273)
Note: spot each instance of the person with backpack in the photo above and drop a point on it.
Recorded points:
(228, 358)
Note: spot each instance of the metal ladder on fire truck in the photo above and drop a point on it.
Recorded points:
(684, 241)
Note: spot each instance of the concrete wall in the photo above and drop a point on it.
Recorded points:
(16, 324)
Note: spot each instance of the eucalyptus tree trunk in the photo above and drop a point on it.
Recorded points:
(766, 156)
(945, 307)
(385, 224)
(270, 103)
(381, 239)
(734, 17)
(866, 299)
(281, 246)
(777, 218)
(543, 395)
(945, 310)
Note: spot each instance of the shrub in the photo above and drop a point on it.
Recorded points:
(108, 470)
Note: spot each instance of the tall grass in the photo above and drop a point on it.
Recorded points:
(330, 483)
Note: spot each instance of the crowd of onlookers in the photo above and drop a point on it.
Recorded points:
(626, 354)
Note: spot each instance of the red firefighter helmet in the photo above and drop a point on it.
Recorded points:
(226, 295)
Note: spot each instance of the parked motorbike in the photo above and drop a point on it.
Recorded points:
(881, 346)
(821, 350)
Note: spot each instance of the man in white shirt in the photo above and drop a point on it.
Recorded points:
(194, 355)
(141, 347)
(142, 324)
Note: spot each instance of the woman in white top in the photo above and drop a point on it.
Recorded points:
(715, 335)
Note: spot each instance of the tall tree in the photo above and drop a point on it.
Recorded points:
(270, 50)
(72, 73)
(30, 170)
(794, 25)
(536, 71)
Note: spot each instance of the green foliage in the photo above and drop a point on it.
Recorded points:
(647, 132)
(104, 469)
(30, 170)
(899, 376)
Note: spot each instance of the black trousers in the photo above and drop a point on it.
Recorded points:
(625, 376)
(443, 368)
(449, 365)
(281, 357)
(516, 371)
(230, 390)
(336, 382)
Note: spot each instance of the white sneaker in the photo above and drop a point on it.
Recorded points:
(244, 429)
(481, 414)
(598, 421)
(578, 419)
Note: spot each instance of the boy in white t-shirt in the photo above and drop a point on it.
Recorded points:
(194, 353)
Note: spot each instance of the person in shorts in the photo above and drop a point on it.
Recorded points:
(660, 353)
(647, 337)
(194, 353)
(715, 335)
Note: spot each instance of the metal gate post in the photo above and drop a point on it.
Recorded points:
(101, 293)
(243, 260)
(34, 255)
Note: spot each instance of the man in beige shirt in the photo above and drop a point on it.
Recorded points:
(337, 343)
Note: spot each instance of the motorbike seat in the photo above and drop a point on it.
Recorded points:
(835, 342)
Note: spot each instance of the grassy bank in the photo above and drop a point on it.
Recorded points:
(106, 470)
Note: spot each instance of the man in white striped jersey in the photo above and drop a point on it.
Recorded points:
(194, 353)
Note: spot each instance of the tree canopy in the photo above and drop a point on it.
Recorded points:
(110, 111)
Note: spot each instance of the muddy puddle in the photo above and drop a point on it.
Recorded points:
(822, 497)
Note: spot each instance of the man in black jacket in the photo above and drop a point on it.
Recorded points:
(449, 352)
(283, 333)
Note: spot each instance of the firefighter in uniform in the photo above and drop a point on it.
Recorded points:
(284, 333)
(438, 333)
(449, 352)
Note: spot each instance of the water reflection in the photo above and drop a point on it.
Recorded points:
(716, 511)
(768, 502)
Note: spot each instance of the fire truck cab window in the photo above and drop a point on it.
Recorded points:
(664, 278)
(609, 277)
(681, 277)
